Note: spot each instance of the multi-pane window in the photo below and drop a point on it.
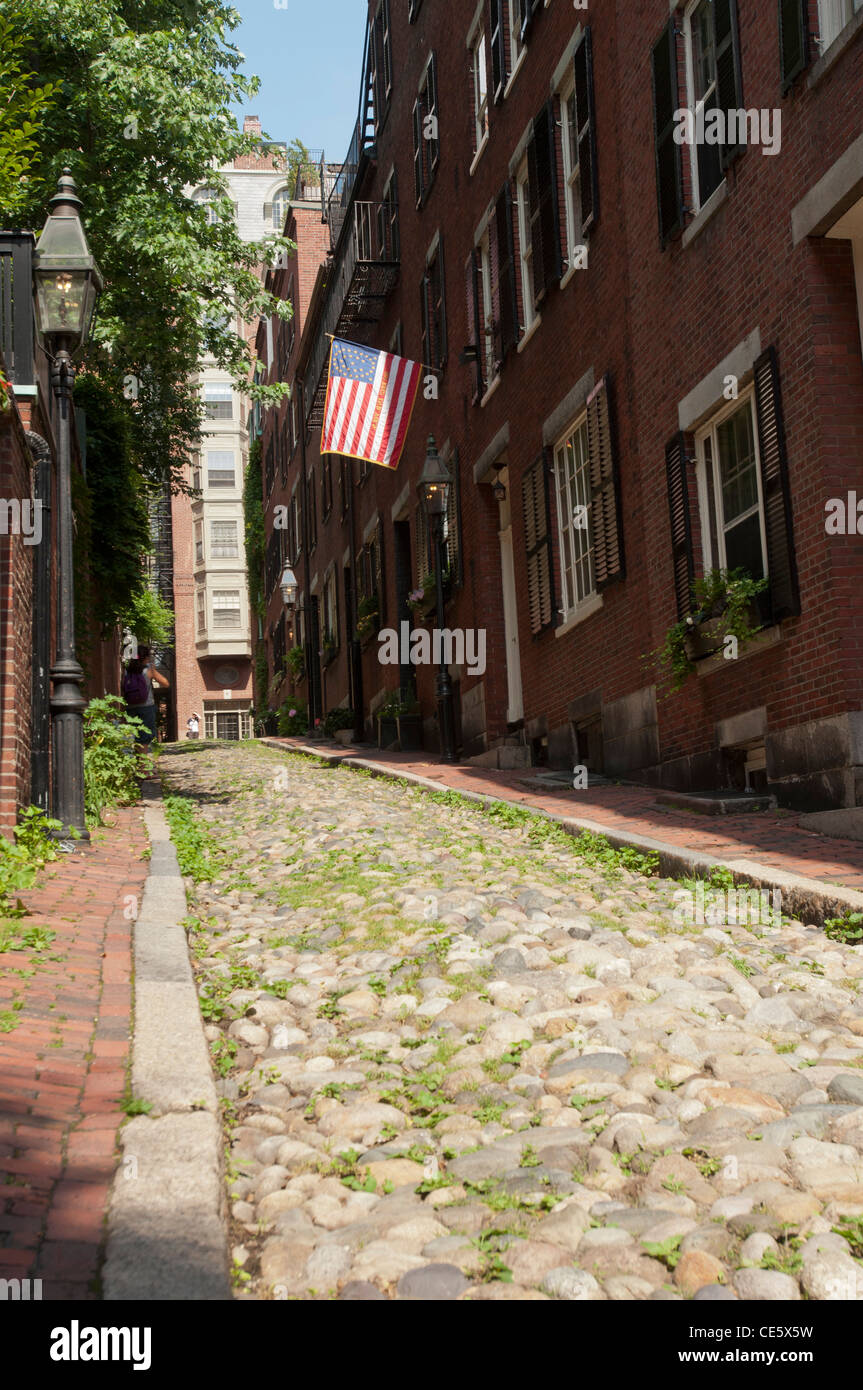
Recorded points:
(486, 345)
(572, 480)
(223, 540)
(388, 221)
(329, 609)
(226, 608)
(218, 400)
(382, 58)
(201, 600)
(571, 192)
(221, 468)
(525, 247)
(199, 542)
(731, 488)
(701, 81)
(206, 197)
(515, 43)
(833, 15)
(280, 208)
(480, 90)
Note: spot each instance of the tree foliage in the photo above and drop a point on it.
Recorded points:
(23, 100)
(141, 111)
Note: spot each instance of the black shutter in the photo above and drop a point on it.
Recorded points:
(606, 512)
(537, 540)
(424, 321)
(380, 575)
(527, 9)
(453, 539)
(676, 465)
(432, 109)
(506, 271)
(472, 272)
(498, 49)
(669, 168)
(418, 150)
(542, 182)
(585, 124)
(729, 85)
(442, 345)
(413, 9)
(793, 39)
(781, 562)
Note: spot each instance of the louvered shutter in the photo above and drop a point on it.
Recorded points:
(534, 230)
(544, 223)
(475, 339)
(669, 168)
(443, 325)
(432, 108)
(781, 561)
(418, 151)
(793, 39)
(498, 49)
(506, 271)
(604, 488)
(380, 574)
(453, 537)
(585, 118)
(537, 540)
(413, 9)
(676, 465)
(527, 8)
(424, 322)
(729, 84)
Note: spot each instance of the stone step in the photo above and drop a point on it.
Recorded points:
(720, 803)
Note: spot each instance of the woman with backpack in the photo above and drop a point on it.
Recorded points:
(138, 681)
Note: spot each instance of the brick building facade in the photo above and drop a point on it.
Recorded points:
(648, 357)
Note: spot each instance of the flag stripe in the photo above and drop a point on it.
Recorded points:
(369, 403)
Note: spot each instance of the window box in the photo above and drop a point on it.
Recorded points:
(410, 731)
(388, 731)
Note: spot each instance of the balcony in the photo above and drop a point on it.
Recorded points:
(364, 271)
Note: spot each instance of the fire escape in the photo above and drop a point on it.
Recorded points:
(363, 265)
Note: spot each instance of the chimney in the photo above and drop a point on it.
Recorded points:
(251, 125)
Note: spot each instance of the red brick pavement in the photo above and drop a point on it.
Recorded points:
(63, 1064)
(773, 838)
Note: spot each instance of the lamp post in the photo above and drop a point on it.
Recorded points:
(68, 282)
(433, 488)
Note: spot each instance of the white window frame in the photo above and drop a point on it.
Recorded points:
(525, 250)
(708, 477)
(574, 527)
(218, 393)
(479, 67)
(282, 196)
(571, 172)
(486, 317)
(696, 199)
(199, 543)
(221, 467)
(516, 47)
(201, 610)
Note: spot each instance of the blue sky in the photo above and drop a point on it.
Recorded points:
(308, 57)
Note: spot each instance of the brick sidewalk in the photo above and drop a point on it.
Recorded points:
(772, 838)
(63, 1061)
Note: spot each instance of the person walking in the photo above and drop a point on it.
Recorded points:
(193, 725)
(138, 692)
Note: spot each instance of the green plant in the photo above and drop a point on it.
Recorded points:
(668, 1251)
(296, 662)
(367, 612)
(720, 594)
(110, 767)
(136, 1106)
(848, 928)
(293, 718)
(149, 617)
(197, 851)
(339, 718)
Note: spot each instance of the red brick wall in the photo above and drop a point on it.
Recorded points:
(16, 587)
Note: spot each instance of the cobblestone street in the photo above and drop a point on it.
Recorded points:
(463, 1056)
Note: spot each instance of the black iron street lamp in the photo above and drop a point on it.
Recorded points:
(68, 282)
(433, 488)
(289, 587)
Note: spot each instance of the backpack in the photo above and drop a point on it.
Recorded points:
(135, 688)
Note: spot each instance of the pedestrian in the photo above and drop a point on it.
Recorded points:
(193, 725)
(138, 681)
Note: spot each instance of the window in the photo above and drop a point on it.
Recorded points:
(280, 209)
(833, 15)
(480, 91)
(731, 487)
(388, 221)
(226, 608)
(329, 610)
(525, 247)
(201, 599)
(218, 400)
(572, 485)
(221, 468)
(199, 542)
(571, 196)
(705, 162)
(206, 197)
(481, 323)
(326, 485)
(196, 473)
(228, 724)
(433, 309)
(382, 59)
(426, 132)
(578, 146)
(515, 40)
(223, 540)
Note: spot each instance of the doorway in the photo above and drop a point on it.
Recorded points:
(514, 692)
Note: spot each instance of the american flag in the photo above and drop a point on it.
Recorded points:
(370, 397)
